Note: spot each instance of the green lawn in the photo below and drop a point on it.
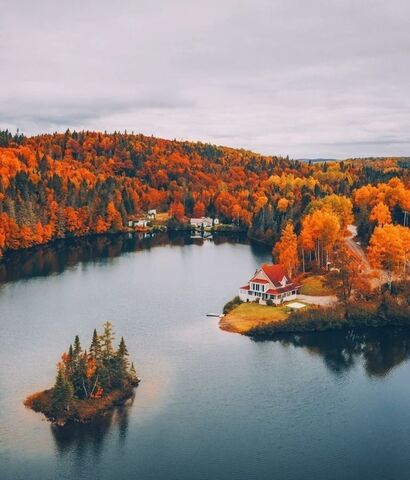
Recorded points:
(314, 285)
(248, 315)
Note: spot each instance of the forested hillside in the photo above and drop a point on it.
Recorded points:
(79, 183)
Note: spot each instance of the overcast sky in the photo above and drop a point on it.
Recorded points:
(308, 78)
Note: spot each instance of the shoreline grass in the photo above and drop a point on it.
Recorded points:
(247, 316)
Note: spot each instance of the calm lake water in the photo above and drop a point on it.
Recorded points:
(212, 405)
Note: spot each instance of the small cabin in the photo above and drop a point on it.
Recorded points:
(203, 222)
(152, 214)
(270, 283)
(140, 223)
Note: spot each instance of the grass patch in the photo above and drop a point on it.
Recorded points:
(247, 316)
(315, 285)
(161, 218)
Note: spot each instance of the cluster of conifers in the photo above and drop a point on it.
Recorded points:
(94, 373)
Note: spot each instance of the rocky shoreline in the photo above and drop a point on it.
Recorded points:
(81, 410)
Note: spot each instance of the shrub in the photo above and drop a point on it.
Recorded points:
(231, 304)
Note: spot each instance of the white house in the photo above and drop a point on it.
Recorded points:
(270, 282)
(141, 223)
(138, 223)
(203, 222)
(152, 214)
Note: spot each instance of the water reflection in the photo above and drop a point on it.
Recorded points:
(379, 350)
(90, 438)
(62, 254)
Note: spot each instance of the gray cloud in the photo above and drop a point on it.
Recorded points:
(324, 78)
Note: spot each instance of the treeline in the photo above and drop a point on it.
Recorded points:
(388, 308)
(79, 183)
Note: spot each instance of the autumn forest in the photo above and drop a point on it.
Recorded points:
(79, 183)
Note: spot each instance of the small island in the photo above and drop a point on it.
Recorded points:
(88, 384)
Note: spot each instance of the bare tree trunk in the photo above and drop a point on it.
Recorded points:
(95, 384)
(85, 390)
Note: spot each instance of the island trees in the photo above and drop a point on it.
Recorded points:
(91, 375)
(62, 392)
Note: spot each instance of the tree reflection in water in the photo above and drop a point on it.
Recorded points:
(82, 439)
(57, 256)
(378, 349)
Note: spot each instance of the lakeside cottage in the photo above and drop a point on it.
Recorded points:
(139, 223)
(203, 222)
(270, 282)
(152, 214)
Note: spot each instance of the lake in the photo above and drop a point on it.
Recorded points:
(211, 405)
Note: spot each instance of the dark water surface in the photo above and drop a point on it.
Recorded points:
(212, 405)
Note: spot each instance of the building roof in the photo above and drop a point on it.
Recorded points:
(274, 272)
(201, 220)
(279, 290)
(259, 280)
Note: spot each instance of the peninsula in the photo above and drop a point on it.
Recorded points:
(329, 277)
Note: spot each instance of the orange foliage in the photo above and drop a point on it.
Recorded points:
(76, 183)
(287, 249)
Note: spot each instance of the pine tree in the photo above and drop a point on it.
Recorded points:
(77, 347)
(95, 347)
(106, 341)
(70, 361)
(122, 363)
(122, 353)
(62, 393)
(133, 372)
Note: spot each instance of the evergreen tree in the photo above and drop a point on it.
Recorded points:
(70, 361)
(122, 353)
(77, 347)
(62, 393)
(106, 341)
(121, 363)
(133, 372)
(95, 347)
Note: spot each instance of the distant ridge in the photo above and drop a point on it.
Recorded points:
(325, 160)
(317, 160)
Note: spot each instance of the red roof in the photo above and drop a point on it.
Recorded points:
(274, 272)
(258, 280)
(288, 288)
(245, 287)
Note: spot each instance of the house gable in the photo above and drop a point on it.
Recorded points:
(270, 282)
